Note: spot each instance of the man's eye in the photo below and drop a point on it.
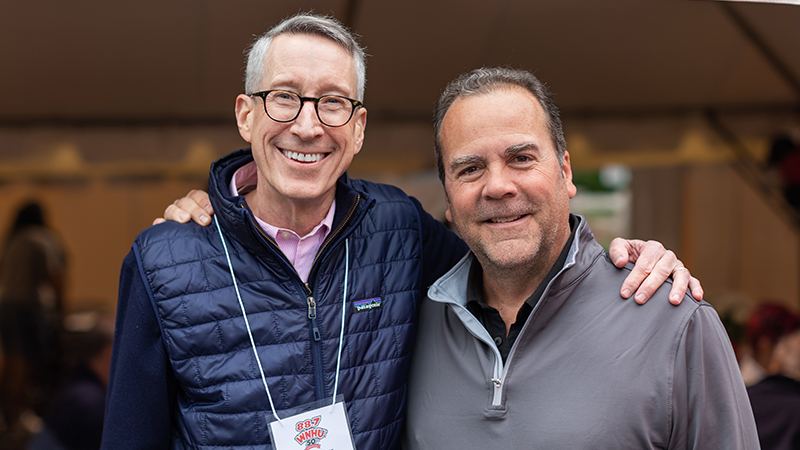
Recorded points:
(468, 171)
(333, 102)
(283, 98)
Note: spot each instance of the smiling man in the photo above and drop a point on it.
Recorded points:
(301, 296)
(291, 319)
(526, 343)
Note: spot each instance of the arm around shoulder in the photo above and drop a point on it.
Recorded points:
(442, 248)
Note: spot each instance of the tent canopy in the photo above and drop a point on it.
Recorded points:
(629, 75)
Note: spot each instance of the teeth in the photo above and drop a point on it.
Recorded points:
(303, 157)
(504, 219)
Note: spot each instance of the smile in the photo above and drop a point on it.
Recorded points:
(303, 157)
(505, 219)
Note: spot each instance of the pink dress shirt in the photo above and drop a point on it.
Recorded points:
(300, 251)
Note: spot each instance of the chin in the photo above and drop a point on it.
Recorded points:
(509, 258)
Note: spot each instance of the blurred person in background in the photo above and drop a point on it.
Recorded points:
(32, 268)
(784, 165)
(75, 420)
(776, 399)
(764, 327)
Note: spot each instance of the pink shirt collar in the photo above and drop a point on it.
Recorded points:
(300, 251)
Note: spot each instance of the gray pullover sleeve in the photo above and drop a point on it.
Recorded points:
(710, 407)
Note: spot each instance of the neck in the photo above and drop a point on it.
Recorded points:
(506, 289)
(300, 216)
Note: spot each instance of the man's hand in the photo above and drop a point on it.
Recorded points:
(654, 264)
(195, 206)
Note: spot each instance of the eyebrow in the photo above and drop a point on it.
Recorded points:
(514, 149)
(465, 160)
(510, 151)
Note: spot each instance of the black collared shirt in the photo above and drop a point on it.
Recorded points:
(490, 317)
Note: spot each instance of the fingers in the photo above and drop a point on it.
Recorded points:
(695, 289)
(653, 266)
(195, 206)
(176, 213)
(201, 199)
(620, 252)
(680, 281)
(650, 271)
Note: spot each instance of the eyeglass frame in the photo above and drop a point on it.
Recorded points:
(263, 95)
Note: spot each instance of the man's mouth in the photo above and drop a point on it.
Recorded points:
(505, 219)
(303, 157)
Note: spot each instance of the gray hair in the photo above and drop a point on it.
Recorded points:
(305, 23)
(490, 79)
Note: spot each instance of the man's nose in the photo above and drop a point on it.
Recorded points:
(498, 184)
(307, 124)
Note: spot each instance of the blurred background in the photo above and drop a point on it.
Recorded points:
(111, 110)
(682, 118)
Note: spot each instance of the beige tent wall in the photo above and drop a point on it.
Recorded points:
(100, 187)
(742, 250)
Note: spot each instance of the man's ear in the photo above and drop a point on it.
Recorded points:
(360, 118)
(447, 214)
(245, 107)
(566, 169)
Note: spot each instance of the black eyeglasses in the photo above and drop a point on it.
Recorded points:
(285, 106)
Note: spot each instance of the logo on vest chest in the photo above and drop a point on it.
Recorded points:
(368, 304)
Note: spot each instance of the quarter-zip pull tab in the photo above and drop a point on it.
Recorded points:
(496, 382)
(312, 314)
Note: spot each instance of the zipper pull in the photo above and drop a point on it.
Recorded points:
(497, 382)
(312, 314)
(312, 308)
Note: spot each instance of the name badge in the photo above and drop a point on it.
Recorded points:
(324, 428)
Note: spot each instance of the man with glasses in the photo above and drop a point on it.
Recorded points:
(291, 319)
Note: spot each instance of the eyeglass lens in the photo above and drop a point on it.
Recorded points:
(284, 106)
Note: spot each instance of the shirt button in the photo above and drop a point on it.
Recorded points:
(498, 341)
(285, 234)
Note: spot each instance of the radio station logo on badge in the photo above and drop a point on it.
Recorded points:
(309, 433)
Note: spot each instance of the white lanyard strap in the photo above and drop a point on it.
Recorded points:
(344, 309)
(250, 333)
(246, 322)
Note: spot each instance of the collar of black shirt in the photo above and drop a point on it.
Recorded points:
(490, 318)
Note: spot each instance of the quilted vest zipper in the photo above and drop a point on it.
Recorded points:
(316, 335)
(316, 342)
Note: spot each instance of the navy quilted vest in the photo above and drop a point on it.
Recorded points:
(222, 403)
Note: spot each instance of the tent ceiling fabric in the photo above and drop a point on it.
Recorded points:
(184, 59)
(154, 62)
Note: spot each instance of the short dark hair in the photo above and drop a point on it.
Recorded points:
(489, 79)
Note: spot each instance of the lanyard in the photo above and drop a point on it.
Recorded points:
(250, 333)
